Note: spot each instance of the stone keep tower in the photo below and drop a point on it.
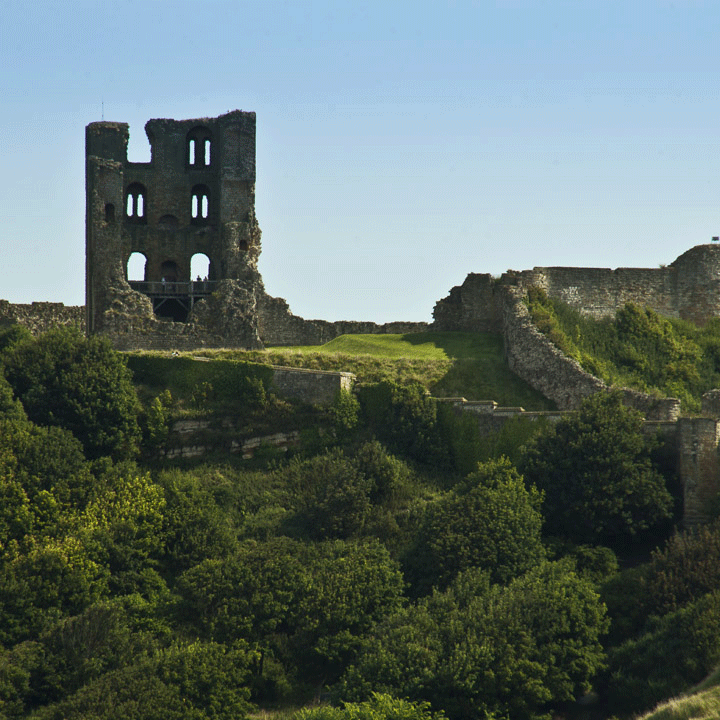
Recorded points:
(196, 195)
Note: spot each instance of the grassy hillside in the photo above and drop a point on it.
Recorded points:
(471, 365)
(701, 703)
(638, 348)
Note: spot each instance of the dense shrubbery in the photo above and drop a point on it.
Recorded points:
(394, 554)
(595, 470)
(481, 650)
(490, 520)
(82, 385)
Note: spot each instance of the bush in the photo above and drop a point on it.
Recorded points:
(491, 521)
(80, 384)
(405, 419)
(595, 470)
(380, 706)
(687, 568)
(678, 651)
(476, 650)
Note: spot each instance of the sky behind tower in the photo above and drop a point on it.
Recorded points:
(400, 145)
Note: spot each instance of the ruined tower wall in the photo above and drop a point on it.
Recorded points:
(196, 195)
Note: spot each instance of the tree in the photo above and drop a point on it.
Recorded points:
(676, 652)
(490, 521)
(331, 496)
(306, 606)
(686, 569)
(81, 384)
(404, 418)
(481, 650)
(187, 681)
(380, 706)
(595, 470)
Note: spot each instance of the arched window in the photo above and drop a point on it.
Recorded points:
(136, 265)
(200, 207)
(135, 203)
(199, 144)
(199, 267)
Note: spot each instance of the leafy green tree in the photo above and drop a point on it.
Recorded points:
(595, 471)
(404, 418)
(195, 681)
(481, 650)
(87, 552)
(197, 525)
(676, 652)
(19, 667)
(10, 408)
(388, 475)
(108, 635)
(81, 384)
(307, 606)
(490, 521)
(249, 595)
(684, 570)
(352, 586)
(380, 706)
(331, 496)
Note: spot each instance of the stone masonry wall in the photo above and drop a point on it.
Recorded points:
(688, 288)
(39, 317)
(535, 359)
(319, 387)
(699, 466)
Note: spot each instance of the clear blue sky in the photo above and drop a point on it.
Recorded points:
(400, 145)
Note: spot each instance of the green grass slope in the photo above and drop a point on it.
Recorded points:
(471, 365)
(701, 703)
(638, 348)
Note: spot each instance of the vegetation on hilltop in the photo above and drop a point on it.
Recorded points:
(638, 348)
(452, 364)
(395, 564)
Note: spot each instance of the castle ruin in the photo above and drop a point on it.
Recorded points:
(195, 196)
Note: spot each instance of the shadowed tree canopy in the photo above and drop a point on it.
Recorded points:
(595, 469)
(81, 384)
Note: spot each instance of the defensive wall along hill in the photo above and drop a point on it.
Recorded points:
(689, 288)
(196, 197)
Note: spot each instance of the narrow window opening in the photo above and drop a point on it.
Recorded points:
(199, 142)
(135, 203)
(200, 208)
(109, 213)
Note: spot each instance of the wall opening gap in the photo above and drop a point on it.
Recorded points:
(136, 265)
